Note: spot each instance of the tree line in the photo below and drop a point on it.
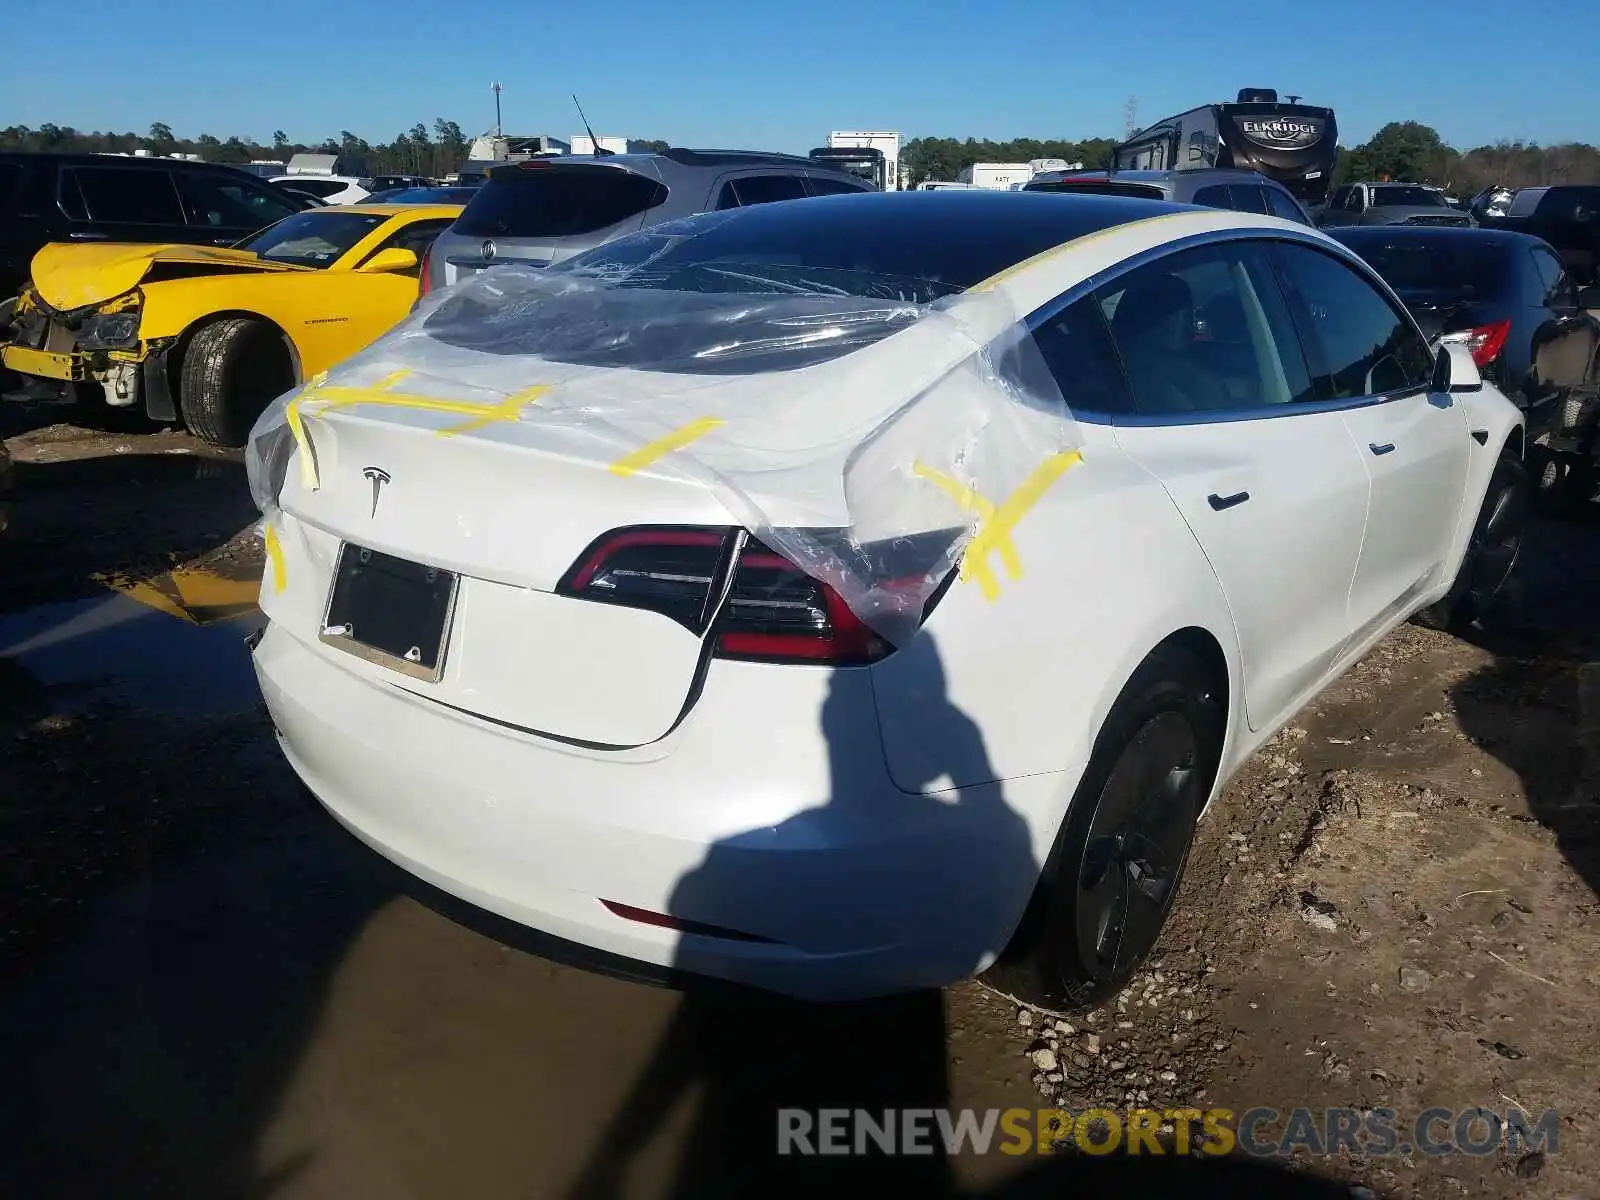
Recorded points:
(416, 151)
(1407, 151)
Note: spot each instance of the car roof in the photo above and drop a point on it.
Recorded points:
(81, 158)
(419, 211)
(652, 161)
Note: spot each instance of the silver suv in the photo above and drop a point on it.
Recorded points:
(1211, 187)
(548, 209)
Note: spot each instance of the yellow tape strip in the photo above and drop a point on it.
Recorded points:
(318, 393)
(280, 571)
(997, 521)
(632, 464)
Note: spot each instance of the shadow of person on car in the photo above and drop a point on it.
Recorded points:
(920, 887)
(1536, 707)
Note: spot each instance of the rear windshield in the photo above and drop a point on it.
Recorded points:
(769, 287)
(1469, 267)
(1144, 191)
(312, 239)
(1401, 195)
(553, 202)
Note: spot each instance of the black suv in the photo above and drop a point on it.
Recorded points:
(1211, 187)
(1565, 215)
(110, 198)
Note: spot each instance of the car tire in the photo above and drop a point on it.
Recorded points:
(1097, 911)
(1492, 550)
(232, 369)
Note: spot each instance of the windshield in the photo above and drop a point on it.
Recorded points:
(1406, 195)
(1466, 267)
(312, 239)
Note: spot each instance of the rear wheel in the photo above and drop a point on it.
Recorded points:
(1492, 550)
(1111, 878)
(232, 369)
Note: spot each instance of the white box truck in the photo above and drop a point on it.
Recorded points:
(999, 176)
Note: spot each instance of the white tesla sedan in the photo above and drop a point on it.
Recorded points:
(835, 689)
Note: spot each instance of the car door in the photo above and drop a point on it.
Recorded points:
(1564, 346)
(124, 204)
(1368, 356)
(1267, 479)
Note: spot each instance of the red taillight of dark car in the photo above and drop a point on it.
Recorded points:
(774, 613)
(423, 283)
(1485, 341)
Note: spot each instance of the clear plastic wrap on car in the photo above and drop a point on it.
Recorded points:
(868, 438)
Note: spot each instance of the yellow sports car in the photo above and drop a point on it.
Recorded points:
(210, 336)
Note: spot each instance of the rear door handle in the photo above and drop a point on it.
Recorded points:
(89, 237)
(1222, 502)
(1384, 448)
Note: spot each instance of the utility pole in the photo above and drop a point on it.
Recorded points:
(498, 131)
(1131, 117)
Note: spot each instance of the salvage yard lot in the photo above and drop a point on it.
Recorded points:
(1394, 905)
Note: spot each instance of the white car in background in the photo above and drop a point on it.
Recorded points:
(330, 189)
(573, 690)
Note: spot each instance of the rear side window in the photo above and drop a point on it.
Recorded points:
(1551, 273)
(1215, 196)
(1366, 347)
(1526, 201)
(1077, 349)
(760, 189)
(1282, 205)
(551, 202)
(121, 194)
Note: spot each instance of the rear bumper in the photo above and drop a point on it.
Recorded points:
(842, 885)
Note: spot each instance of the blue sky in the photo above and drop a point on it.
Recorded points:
(781, 75)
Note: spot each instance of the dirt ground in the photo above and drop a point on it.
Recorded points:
(207, 989)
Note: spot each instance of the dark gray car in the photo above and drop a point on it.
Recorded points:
(1390, 204)
(1212, 187)
(548, 209)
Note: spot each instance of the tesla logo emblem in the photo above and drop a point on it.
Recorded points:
(379, 477)
(488, 251)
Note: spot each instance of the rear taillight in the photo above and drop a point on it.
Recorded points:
(774, 611)
(1484, 342)
(423, 283)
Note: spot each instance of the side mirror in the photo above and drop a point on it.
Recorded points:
(1454, 370)
(1589, 297)
(387, 261)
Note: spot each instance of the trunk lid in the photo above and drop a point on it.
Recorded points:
(510, 509)
(68, 276)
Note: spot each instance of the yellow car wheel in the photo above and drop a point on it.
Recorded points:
(232, 369)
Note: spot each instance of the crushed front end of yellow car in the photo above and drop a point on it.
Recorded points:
(97, 343)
